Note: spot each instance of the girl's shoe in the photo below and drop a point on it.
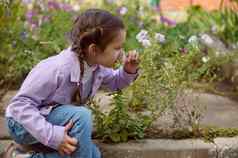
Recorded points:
(13, 151)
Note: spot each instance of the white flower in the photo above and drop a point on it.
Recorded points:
(141, 12)
(214, 29)
(206, 39)
(27, 1)
(146, 43)
(205, 59)
(168, 65)
(142, 35)
(76, 7)
(30, 6)
(143, 38)
(160, 37)
(123, 10)
(234, 45)
(111, 1)
(193, 39)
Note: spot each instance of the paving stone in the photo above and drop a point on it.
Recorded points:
(3, 130)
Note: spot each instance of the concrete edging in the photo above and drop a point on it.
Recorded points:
(165, 148)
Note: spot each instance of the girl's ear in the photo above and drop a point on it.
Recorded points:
(93, 49)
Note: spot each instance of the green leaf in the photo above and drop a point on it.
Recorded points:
(124, 135)
(115, 137)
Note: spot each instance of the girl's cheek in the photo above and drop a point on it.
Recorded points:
(116, 55)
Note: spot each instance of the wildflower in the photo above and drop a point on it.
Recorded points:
(193, 39)
(123, 10)
(141, 11)
(143, 38)
(142, 35)
(234, 45)
(30, 14)
(206, 39)
(214, 29)
(183, 50)
(23, 35)
(76, 7)
(160, 37)
(27, 1)
(111, 1)
(146, 43)
(168, 65)
(205, 59)
(167, 21)
(14, 44)
(31, 19)
(53, 5)
(66, 7)
(45, 19)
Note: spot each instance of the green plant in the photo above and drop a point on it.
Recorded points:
(228, 21)
(119, 125)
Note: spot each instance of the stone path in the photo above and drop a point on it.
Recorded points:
(220, 111)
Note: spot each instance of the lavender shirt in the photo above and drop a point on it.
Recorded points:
(56, 79)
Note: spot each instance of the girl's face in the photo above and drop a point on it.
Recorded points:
(112, 51)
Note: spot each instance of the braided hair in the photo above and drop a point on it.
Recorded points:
(93, 26)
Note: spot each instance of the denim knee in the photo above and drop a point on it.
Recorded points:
(83, 115)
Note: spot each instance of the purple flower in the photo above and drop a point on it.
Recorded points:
(26, 1)
(66, 7)
(160, 38)
(184, 50)
(122, 10)
(45, 19)
(14, 44)
(53, 5)
(167, 21)
(111, 1)
(23, 35)
(34, 25)
(30, 14)
(31, 18)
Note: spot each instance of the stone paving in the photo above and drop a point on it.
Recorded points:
(220, 111)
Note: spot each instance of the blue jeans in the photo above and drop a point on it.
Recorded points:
(61, 115)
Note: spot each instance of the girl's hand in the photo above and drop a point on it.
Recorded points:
(131, 62)
(69, 144)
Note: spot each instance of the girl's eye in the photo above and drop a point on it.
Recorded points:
(118, 48)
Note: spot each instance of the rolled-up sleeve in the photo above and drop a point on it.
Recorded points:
(40, 83)
(117, 79)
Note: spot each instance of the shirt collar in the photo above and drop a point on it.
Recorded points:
(75, 69)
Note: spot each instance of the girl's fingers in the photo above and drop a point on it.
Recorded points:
(67, 151)
(136, 56)
(128, 58)
(69, 125)
(70, 148)
(132, 57)
(72, 141)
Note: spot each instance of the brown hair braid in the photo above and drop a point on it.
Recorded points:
(94, 26)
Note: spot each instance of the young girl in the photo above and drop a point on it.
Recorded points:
(42, 111)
